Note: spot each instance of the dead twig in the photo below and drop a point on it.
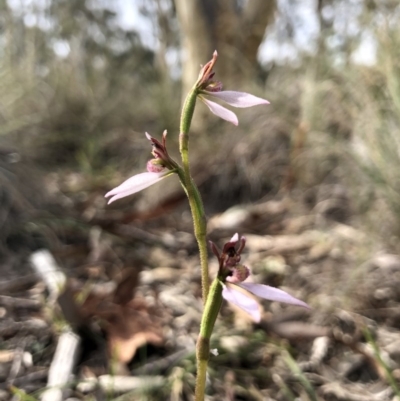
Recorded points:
(41, 374)
(68, 344)
(120, 384)
(17, 363)
(19, 303)
(19, 284)
(161, 364)
(61, 366)
(33, 326)
(45, 265)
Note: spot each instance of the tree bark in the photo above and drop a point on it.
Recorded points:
(235, 33)
(257, 16)
(196, 39)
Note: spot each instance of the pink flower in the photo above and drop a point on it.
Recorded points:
(251, 306)
(232, 274)
(158, 168)
(235, 99)
(136, 184)
(209, 88)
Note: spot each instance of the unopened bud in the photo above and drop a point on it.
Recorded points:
(206, 72)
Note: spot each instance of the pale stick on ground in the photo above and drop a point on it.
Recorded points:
(60, 372)
(120, 384)
(45, 265)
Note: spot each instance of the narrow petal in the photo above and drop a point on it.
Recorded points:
(238, 99)
(235, 238)
(221, 111)
(135, 184)
(242, 301)
(272, 294)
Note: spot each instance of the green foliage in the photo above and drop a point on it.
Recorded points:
(350, 114)
(72, 109)
(375, 109)
(88, 109)
(22, 395)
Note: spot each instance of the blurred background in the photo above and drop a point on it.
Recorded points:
(313, 180)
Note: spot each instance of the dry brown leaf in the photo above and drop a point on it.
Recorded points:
(129, 328)
(128, 322)
(127, 283)
(124, 349)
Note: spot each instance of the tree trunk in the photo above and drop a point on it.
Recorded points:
(196, 40)
(208, 25)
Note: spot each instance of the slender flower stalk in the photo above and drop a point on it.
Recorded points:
(203, 88)
(195, 201)
(230, 281)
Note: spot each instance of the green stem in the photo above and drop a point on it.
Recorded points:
(195, 202)
(210, 313)
(201, 380)
(212, 298)
(211, 309)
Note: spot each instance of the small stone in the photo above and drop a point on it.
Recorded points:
(6, 356)
(27, 359)
(319, 251)
(231, 219)
(383, 294)
(336, 253)
(233, 343)
(387, 262)
(87, 385)
(396, 374)
(393, 350)
(159, 275)
(276, 265)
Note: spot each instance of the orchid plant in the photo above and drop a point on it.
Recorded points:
(232, 275)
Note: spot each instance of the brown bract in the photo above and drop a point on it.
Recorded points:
(206, 72)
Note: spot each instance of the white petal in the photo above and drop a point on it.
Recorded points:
(235, 238)
(221, 111)
(238, 99)
(135, 184)
(272, 294)
(242, 301)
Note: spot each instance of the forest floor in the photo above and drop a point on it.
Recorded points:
(132, 306)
